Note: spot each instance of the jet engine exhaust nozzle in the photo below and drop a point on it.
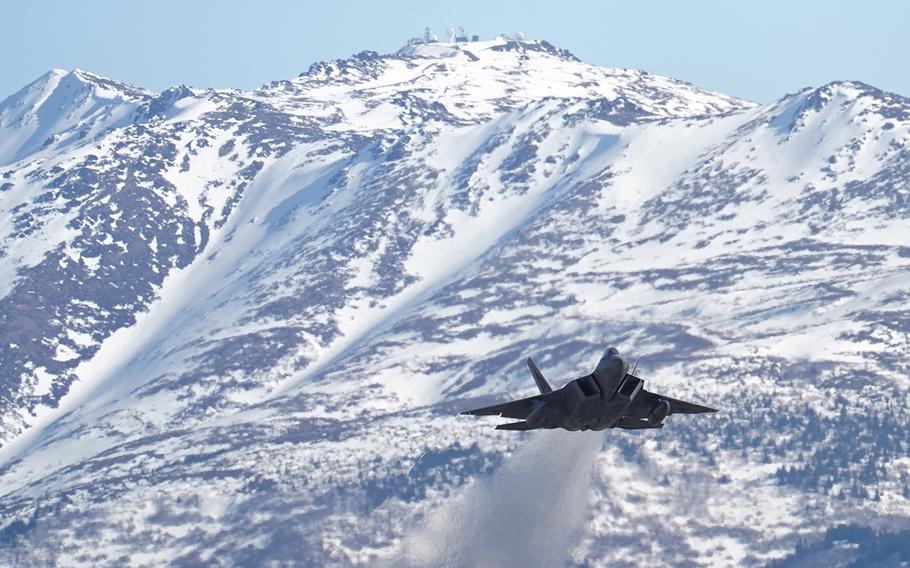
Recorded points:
(659, 412)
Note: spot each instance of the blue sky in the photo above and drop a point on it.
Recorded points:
(755, 50)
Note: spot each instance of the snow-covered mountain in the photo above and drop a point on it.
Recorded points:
(235, 326)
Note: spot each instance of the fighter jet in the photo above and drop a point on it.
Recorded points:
(610, 397)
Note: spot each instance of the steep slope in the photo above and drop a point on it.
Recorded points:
(354, 255)
(94, 223)
(62, 107)
(90, 233)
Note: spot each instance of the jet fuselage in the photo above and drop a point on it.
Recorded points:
(593, 402)
(609, 397)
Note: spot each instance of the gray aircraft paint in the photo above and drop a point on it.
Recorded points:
(610, 397)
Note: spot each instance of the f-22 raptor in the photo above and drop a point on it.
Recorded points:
(610, 397)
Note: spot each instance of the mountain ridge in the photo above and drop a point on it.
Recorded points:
(323, 271)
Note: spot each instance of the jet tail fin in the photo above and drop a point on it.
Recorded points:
(542, 384)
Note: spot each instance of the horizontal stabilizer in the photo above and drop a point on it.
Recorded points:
(684, 407)
(676, 406)
(515, 426)
(515, 409)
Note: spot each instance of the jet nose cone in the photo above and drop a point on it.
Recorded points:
(613, 351)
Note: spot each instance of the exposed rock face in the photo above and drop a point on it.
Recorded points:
(235, 326)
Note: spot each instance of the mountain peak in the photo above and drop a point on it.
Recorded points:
(106, 87)
(502, 51)
(51, 75)
(479, 47)
(329, 267)
(473, 81)
(845, 91)
(61, 103)
(850, 99)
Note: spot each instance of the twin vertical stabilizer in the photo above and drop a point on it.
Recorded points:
(538, 378)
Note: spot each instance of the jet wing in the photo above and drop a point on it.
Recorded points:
(676, 406)
(514, 409)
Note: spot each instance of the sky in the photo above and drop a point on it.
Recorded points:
(755, 50)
